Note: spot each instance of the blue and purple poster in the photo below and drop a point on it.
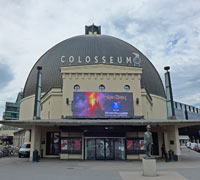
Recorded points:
(103, 104)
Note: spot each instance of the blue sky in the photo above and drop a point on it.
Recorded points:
(167, 32)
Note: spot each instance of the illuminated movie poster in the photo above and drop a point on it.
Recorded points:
(130, 144)
(141, 144)
(64, 144)
(103, 104)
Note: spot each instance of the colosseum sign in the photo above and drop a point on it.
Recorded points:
(133, 60)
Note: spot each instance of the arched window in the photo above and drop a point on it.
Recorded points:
(127, 88)
(76, 87)
(101, 87)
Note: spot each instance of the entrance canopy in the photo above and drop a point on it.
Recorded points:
(99, 122)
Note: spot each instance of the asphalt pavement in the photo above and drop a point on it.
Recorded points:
(14, 168)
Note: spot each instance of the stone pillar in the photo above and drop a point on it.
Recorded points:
(149, 167)
(177, 149)
(27, 136)
(166, 140)
(171, 137)
(35, 140)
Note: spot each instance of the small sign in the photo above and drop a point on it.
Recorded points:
(199, 132)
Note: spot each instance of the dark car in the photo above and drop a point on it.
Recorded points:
(5, 151)
(1, 153)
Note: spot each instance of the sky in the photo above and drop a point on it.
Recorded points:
(167, 32)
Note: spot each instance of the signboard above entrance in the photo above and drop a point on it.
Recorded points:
(103, 104)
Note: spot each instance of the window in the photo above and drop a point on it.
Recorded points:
(26, 146)
(101, 87)
(176, 105)
(71, 145)
(135, 146)
(76, 87)
(127, 88)
(181, 106)
(53, 143)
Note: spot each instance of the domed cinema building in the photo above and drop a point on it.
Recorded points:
(98, 93)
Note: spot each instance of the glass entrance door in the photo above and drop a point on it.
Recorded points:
(109, 149)
(119, 148)
(90, 149)
(104, 148)
(100, 149)
(53, 143)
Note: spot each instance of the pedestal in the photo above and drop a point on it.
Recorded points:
(149, 167)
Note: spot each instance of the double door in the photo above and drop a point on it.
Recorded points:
(104, 149)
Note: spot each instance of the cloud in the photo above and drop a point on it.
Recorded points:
(167, 32)
(6, 76)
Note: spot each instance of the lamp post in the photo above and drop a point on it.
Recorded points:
(169, 94)
(38, 94)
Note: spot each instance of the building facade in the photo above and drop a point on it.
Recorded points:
(185, 111)
(11, 113)
(12, 109)
(21, 136)
(188, 112)
(98, 95)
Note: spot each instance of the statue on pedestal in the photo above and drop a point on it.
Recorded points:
(148, 141)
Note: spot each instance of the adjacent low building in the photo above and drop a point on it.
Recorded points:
(6, 136)
(98, 94)
(11, 113)
(12, 108)
(21, 136)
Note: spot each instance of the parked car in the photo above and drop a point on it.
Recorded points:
(198, 146)
(188, 144)
(24, 151)
(5, 151)
(1, 154)
(193, 146)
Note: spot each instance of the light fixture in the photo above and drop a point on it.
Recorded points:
(67, 101)
(137, 101)
(167, 68)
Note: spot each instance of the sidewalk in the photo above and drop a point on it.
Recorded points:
(187, 168)
(51, 169)
(169, 175)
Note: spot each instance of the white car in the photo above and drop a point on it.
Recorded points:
(24, 151)
(188, 144)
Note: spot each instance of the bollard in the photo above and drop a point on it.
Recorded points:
(35, 155)
(171, 155)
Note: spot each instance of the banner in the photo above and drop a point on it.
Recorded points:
(103, 104)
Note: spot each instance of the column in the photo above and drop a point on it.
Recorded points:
(166, 140)
(177, 149)
(35, 140)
